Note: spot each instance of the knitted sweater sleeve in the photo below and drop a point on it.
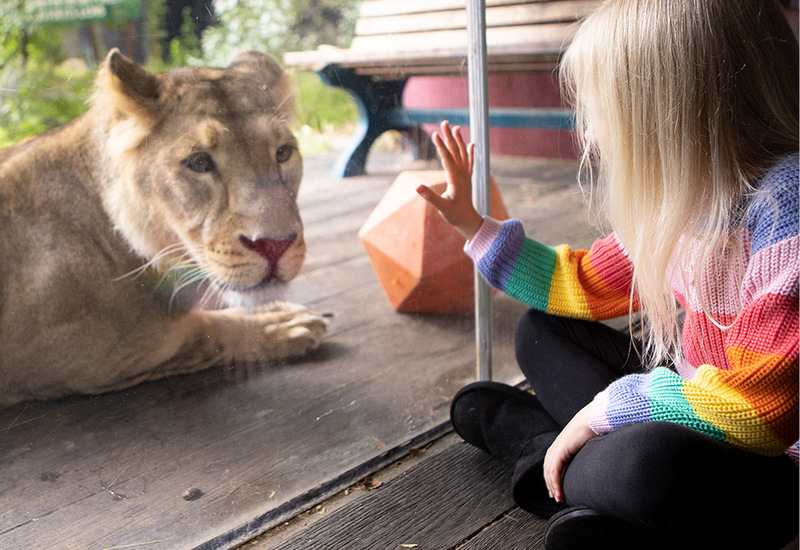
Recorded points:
(751, 402)
(592, 285)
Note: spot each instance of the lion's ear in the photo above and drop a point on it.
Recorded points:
(269, 74)
(258, 64)
(127, 86)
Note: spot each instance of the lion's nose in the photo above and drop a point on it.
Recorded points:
(270, 249)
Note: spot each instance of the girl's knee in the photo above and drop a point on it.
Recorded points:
(533, 327)
(657, 473)
(531, 336)
(627, 474)
(529, 323)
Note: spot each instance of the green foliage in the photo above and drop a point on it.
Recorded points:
(318, 105)
(154, 16)
(186, 48)
(34, 44)
(12, 38)
(321, 111)
(38, 98)
(277, 26)
(38, 91)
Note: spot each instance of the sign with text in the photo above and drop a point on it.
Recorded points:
(69, 11)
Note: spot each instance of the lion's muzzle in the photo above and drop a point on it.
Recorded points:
(271, 250)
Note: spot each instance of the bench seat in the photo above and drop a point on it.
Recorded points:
(398, 39)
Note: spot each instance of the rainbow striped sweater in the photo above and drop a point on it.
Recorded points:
(736, 384)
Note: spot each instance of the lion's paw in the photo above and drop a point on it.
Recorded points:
(296, 333)
(266, 333)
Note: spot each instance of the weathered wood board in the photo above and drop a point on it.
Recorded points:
(447, 495)
(443, 501)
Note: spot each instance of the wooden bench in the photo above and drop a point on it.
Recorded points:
(398, 39)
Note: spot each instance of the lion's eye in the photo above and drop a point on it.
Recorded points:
(199, 162)
(284, 153)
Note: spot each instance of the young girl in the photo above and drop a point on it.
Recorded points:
(689, 118)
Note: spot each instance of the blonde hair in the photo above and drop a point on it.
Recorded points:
(684, 105)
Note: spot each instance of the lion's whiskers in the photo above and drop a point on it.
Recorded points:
(192, 273)
(179, 266)
(195, 276)
(212, 294)
(162, 254)
(280, 106)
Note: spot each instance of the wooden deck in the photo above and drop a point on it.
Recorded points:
(214, 459)
(446, 495)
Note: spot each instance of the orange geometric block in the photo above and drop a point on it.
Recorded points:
(416, 254)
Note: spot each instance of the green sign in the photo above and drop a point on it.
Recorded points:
(69, 11)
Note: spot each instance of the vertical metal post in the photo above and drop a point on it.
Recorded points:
(479, 133)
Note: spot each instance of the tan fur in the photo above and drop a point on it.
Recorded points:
(94, 214)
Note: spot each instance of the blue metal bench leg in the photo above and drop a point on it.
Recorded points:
(374, 99)
(424, 148)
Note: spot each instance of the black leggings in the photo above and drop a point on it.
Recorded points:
(656, 474)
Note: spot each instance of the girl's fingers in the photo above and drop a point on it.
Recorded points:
(450, 138)
(436, 200)
(429, 195)
(451, 163)
(445, 152)
(451, 141)
(552, 476)
(441, 148)
(456, 159)
(462, 147)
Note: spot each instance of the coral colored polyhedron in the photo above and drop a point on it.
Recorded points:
(417, 256)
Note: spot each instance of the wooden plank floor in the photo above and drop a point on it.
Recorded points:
(448, 495)
(211, 460)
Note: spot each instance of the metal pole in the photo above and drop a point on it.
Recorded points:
(479, 133)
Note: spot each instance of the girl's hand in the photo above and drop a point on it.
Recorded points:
(455, 203)
(571, 440)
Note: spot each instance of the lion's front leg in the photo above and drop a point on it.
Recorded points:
(271, 332)
(227, 336)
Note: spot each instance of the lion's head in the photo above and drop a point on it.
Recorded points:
(203, 171)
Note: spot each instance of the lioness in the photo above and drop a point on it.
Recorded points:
(193, 170)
